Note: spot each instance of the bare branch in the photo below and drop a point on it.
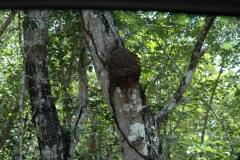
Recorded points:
(170, 106)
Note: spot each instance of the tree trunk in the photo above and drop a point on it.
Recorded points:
(44, 114)
(118, 71)
(53, 142)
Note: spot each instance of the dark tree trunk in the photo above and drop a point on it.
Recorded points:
(44, 114)
(53, 142)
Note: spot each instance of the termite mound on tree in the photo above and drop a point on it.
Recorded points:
(124, 68)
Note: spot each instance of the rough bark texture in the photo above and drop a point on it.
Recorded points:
(118, 71)
(44, 114)
(53, 142)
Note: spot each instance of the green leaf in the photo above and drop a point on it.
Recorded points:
(200, 110)
(208, 149)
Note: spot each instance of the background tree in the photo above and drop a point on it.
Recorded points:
(205, 123)
(53, 141)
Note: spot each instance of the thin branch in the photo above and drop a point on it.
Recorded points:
(83, 98)
(8, 127)
(201, 98)
(210, 102)
(21, 98)
(7, 22)
(215, 114)
(177, 125)
(66, 85)
(66, 80)
(20, 127)
(170, 106)
(92, 139)
(10, 120)
(161, 71)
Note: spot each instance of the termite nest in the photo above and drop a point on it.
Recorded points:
(124, 68)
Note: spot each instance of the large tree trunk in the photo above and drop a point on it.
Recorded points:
(53, 142)
(44, 114)
(118, 71)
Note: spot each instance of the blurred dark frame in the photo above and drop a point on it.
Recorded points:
(217, 7)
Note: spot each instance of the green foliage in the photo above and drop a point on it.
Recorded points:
(164, 42)
(65, 38)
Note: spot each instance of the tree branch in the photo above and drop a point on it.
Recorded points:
(83, 98)
(215, 114)
(9, 123)
(22, 92)
(7, 22)
(8, 127)
(210, 102)
(170, 106)
(202, 99)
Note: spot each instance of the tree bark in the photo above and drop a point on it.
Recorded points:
(44, 114)
(53, 142)
(118, 71)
